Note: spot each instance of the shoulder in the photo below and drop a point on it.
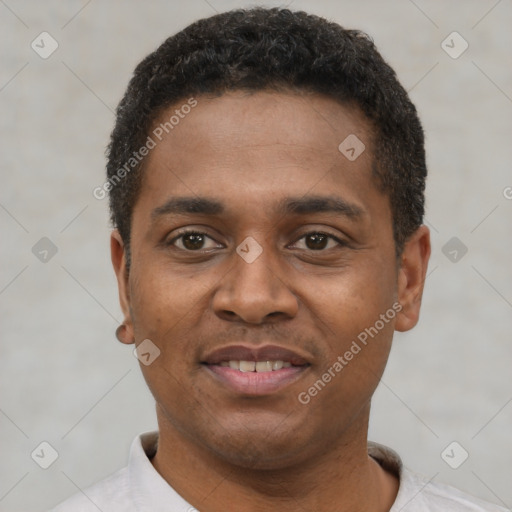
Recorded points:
(419, 494)
(111, 493)
(116, 492)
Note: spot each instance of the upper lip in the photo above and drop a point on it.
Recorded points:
(263, 353)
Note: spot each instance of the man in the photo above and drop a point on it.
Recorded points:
(266, 176)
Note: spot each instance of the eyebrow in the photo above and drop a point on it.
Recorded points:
(287, 206)
(320, 204)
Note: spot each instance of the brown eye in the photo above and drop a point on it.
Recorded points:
(193, 241)
(316, 241)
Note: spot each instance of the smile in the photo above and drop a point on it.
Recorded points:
(255, 382)
(255, 371)
(256, 366)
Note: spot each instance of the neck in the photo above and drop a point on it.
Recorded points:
(342, 477)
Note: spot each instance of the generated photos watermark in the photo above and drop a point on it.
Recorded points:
(137, 156)
(343, 360)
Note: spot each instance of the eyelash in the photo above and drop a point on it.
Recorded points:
(182, 234)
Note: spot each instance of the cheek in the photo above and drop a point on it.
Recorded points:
(161, 298)
(345, 383)
(164, 310)
(352, 299)
(355, 313)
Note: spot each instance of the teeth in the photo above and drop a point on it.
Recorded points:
(247, 366)
(277, 365)
(256, 366)
(264, 366)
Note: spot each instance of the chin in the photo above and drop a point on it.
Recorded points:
(259, 460)
(259, 449)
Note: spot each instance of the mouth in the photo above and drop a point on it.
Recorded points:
(255, 371)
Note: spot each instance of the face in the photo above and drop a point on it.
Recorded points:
(260, 257)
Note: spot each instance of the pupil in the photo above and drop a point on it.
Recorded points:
(318, 240)
(193, 241)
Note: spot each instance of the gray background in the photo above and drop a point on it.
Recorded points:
(65, 379)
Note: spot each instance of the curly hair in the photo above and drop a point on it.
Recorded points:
(262, 49)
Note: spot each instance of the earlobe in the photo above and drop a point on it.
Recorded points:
(124, 332)
(411, 278)
(124, 336)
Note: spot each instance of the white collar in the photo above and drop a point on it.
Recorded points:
(150, 492)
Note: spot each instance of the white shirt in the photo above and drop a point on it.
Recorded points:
(138, 487)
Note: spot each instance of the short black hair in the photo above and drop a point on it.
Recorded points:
(261, 49)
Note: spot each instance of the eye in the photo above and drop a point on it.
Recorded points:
(196, 241)
(193, 241)
(317, 241)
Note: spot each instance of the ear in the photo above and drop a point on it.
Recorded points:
(118, 255)
(411, 278)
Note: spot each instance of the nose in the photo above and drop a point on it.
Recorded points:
(255, 292)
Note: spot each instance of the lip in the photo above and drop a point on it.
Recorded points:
(263, 353)
(255, 383)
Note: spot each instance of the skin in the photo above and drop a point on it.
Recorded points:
(221, 450)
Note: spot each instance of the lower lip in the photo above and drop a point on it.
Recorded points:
(255, 383)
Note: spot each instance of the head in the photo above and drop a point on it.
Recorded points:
(272, 194)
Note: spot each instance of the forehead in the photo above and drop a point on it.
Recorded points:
(251, 148)
(239, 119)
